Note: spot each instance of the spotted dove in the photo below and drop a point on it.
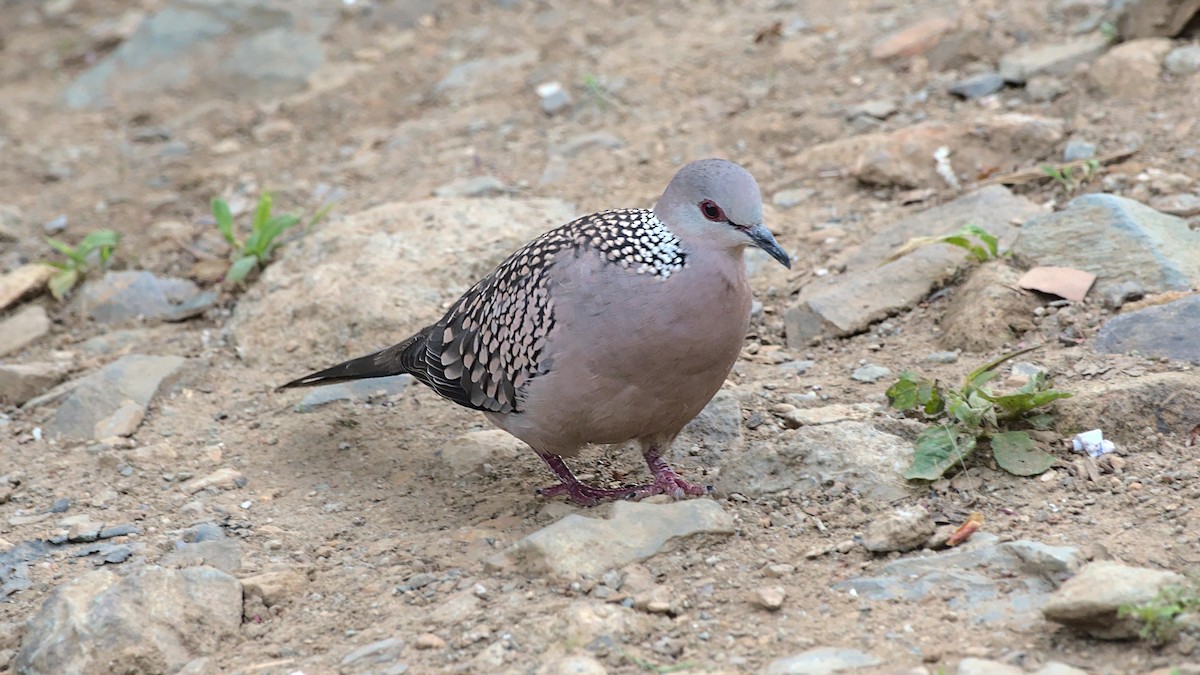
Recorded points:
(617, 326)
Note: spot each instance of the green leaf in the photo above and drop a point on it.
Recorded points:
(275, 227)
(1021, 403)
(989, 239)
(263, 213)
(319, 216)
(1017, 454)
(63, 248)
(99, 239)
(224, 218)
(903, 394)
(937, 450)
(241, 268)
(1041, 422)
(60, 284)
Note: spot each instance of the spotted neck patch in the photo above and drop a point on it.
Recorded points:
(634, 239)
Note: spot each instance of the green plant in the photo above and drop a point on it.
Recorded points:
(92, 252)
(986, 249)
(1072, 176)
(597, 92)
(1159, 616)
(265, 231)
(973, 412)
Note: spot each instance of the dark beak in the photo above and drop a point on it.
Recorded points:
(762, 238)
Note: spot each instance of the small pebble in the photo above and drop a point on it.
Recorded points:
(429, 641)
(769, 597)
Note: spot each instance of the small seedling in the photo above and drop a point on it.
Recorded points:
(265, 231)
(598, 93)
(1072, 177)
(1159, 616)
(92, 253)
(987, 247)
(964, 416)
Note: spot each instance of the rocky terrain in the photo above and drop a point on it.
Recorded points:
(164, 509)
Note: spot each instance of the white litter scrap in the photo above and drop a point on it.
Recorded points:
(941, 157)
(1093, 443)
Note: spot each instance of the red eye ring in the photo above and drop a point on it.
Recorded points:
(711, 211)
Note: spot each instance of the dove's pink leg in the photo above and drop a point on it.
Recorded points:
(666, 481)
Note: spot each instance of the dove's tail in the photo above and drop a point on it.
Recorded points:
(394, 360)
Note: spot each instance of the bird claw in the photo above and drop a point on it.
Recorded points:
(671, 484)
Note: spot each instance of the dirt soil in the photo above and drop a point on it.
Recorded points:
(353, 494)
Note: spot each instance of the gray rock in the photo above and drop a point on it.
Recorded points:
(978, 85)
(822, 661)
(866, 460)
(224, 554)
(992, 582)
(357, 282)
(478, 73)
(1117, 295)
(868, 292)
(123, 296)
(1117, 239)
(375, 654)
(1045, 88)
(1183, 60)
(20, 382)
(237, 48)
(1077, 148)
(879, 109)
(28, 325)
(870, 373)
(95, 397)
(580, 546)
(902, 530)
(155, 618)
(717, 430)
(1090, 600)
(358, 390)
(479, 186)
(1027, 61)
(1164, 331)
(1131, 69)
(553, 97)
(941, 357)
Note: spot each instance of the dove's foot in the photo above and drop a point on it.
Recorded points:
(666, 481)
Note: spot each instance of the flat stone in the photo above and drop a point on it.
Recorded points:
(97, 396)
(1118, 240)
(822, 661)
(1030, 60)
(795, 417)
(122, 422)
(578, 545)
(479, 186)
(991, 582)
(475, 451)
(914, 39)
(972, 666)
(1155, 18)
(377, 653)
(978, 85)
(223, 554)
(20, 382)
(869, 462)
(554, 98)
(258, 49)
(222, 479)
(1130, 70)
(123, 296)
(1164, 331)
(1077, 149)
(24, 282)
(342, 284)
(1183, 205)
(26, 326)
(868, 292)
(357, 390)
(1090, 600)
(157, 618)
(716, 431)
